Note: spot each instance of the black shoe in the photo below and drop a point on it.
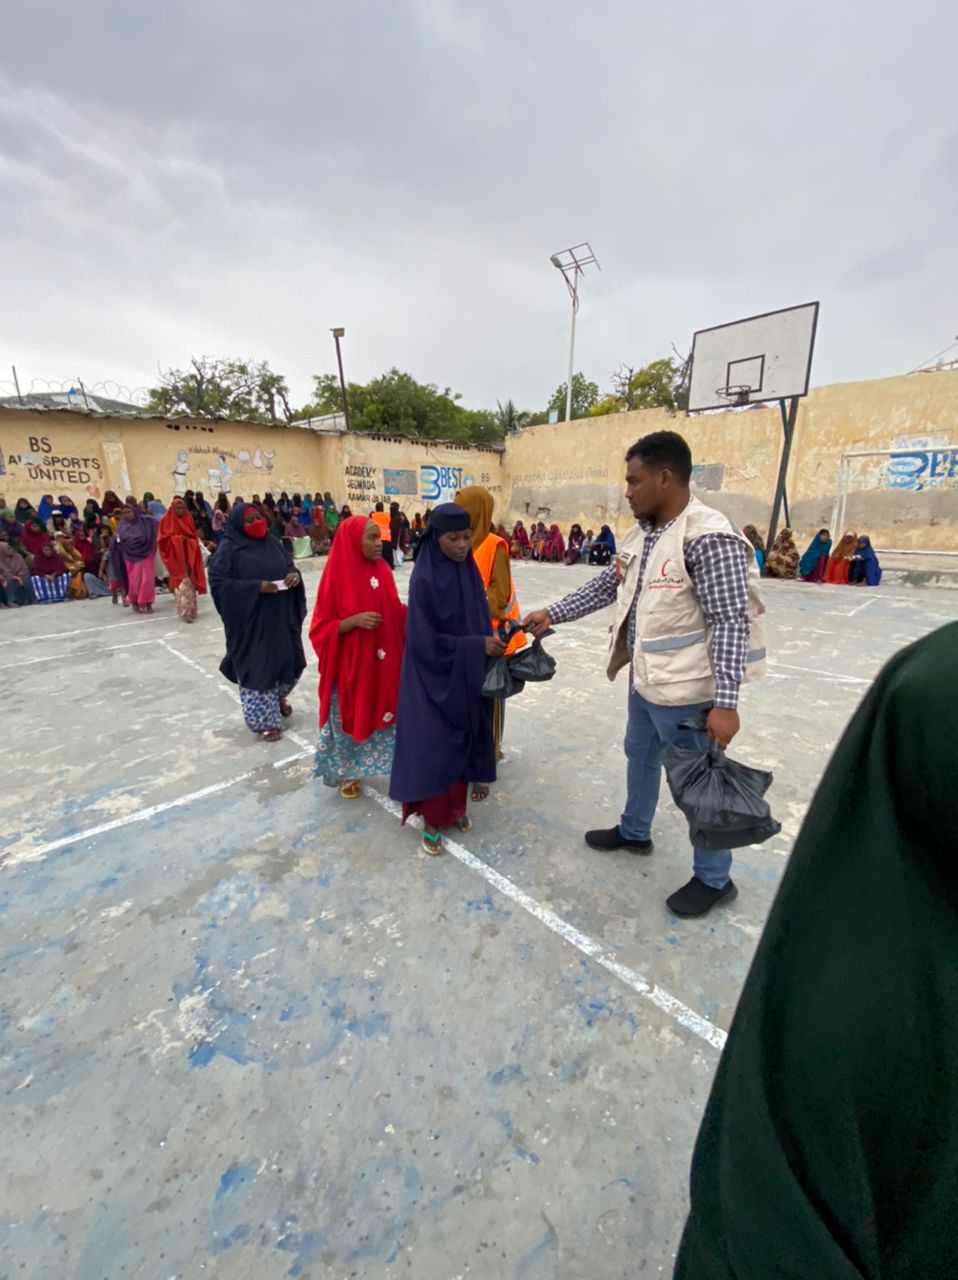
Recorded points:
(608, 841)
(697, 899)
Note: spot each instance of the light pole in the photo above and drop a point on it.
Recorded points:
(337, 334)
(571, 263)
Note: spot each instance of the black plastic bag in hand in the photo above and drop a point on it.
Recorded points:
(532, 664)
(507, 676)
(722, 799)
(498, 681)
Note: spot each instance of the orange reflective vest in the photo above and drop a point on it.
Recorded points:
(484, 558)
(382, 519)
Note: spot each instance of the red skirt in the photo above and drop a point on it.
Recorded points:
(440, 811)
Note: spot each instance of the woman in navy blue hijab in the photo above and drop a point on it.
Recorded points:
(864, 567)
(443, 723)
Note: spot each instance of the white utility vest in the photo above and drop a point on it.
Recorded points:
(672, 663)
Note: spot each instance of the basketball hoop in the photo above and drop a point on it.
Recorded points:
(738, 394)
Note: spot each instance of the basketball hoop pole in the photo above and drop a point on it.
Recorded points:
(788, 423)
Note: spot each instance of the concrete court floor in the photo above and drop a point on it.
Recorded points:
(248, 1030)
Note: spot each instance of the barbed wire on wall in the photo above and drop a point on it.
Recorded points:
(73, 393)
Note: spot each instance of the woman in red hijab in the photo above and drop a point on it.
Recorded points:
(358, 632)
(179, 547)
(49, 576)
(84, 547)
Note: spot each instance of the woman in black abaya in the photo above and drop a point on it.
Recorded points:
(829, 1147)
(260, 597)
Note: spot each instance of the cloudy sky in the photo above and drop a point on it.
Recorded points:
(234, 177)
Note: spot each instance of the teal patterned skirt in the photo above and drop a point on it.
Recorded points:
(339, 758)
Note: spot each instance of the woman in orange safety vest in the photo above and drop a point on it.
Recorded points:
(491, 554)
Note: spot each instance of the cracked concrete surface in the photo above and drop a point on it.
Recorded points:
(248, 1030)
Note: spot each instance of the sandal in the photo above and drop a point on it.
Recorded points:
(432, 844)
(463, 824)
(480, 791)
(271, 735)
(350, 790)
(284, 708)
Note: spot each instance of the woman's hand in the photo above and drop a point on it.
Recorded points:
(494, 647)
(366, 621)
(267, 588)
(291, 580)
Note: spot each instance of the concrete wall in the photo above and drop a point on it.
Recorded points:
(906, 496)
(71, 453)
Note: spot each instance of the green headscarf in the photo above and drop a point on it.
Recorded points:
(829, 1147)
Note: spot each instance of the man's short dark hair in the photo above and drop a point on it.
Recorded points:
(663, 450)
(379, 506)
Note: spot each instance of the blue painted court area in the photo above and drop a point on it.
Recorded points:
(248, 1030)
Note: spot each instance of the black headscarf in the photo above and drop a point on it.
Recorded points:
(264, 644)
(829, 1147)
(443, 724)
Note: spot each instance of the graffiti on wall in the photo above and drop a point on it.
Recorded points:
(560, 475)
(920, 469)
(42, 462)
(400, 483)
(361, 485)
(708, 476)
(211, 470)
(441, 484)
(431, 483)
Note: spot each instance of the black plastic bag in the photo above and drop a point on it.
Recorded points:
(498, 681)
(531, 663)
(508, 676)
(722, 798)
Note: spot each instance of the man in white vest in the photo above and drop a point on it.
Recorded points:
(688, 626)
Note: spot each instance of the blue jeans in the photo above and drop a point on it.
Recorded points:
(649, 726)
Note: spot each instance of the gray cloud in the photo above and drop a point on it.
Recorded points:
(236, 178)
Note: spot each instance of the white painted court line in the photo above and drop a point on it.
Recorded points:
(668, 1004)
(53, 657)
(142, 815)
(662, 1000)
(858, 608)
(82, 631)
(822, 675)
(674, 1008)
(230, 693)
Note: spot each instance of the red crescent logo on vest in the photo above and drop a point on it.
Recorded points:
(665, 568)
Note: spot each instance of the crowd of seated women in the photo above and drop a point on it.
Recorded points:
(53, 552)
(549, 546)
(852, 562)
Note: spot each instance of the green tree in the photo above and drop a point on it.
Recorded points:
(656, 385)
(327, 397)
(510, 418)
(395, 404)
(584, 396)
(242, 390)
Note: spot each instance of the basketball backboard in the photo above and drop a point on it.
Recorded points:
(767, 357)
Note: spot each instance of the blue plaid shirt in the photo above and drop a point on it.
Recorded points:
(718, 564)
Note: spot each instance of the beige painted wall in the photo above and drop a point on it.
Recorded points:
(565, 472)
(574, 471)
(66, 452)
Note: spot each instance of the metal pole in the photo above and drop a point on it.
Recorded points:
(846, 476)
(83, 389)
(16, 382)
(837, 505)
(782, 470)
(568, 389)
(781, 405)
(342, 380)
